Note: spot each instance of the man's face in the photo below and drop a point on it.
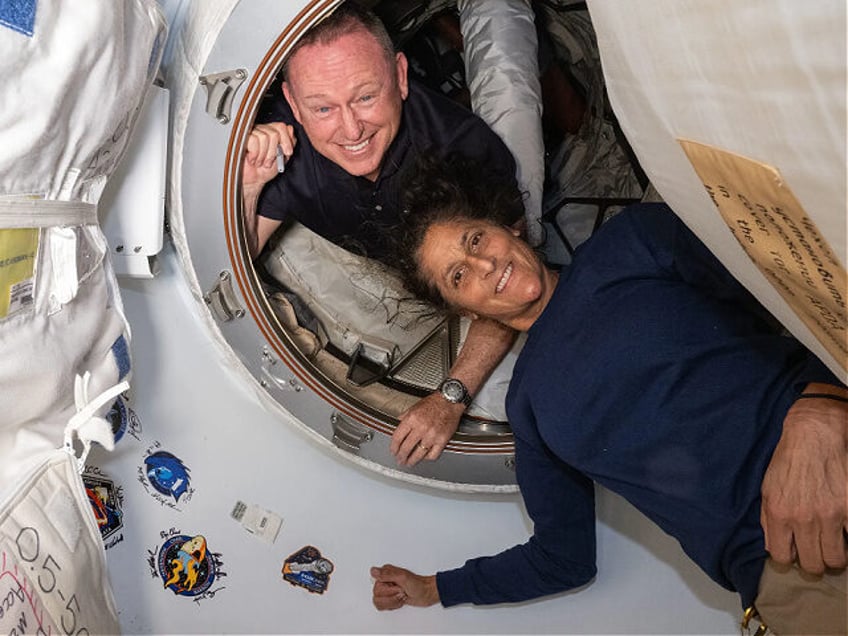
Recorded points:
(348, 98)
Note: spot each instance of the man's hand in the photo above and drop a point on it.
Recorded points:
(395, 587)
(260, 166)
(425, 429)
(260, 157)
(805, 496)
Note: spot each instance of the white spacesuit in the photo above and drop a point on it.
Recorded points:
(64, 341)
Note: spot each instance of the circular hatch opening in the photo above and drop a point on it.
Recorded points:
(342, 323)
(334, 339)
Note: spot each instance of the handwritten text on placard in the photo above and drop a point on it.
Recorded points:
(781, 240)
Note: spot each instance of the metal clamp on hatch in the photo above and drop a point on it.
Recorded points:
(221, 88)
(221, 299)
(349, 435)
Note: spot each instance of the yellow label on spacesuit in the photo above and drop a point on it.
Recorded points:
(18, 249)
(782, 241)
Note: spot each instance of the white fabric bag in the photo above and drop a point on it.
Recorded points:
(53, 577)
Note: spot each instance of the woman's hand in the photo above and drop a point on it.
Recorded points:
(805, 498)
(425, 429)
(395, 587)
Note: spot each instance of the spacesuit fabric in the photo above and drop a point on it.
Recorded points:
(655, 374)
(61, 314)
(64, 339)
(73, 325)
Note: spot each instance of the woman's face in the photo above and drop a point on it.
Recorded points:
(486, 269)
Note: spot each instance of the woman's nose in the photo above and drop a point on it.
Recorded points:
(482, 265)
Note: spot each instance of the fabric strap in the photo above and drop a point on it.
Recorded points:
(85, 425)
(826, 396)
(31, 213)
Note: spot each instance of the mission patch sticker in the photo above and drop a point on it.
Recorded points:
(186, 566)
(308, 569)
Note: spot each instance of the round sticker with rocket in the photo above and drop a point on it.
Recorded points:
(187, 567)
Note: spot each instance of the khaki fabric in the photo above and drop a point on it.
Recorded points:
(792, 601)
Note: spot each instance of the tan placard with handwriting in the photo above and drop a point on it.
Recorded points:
(784, 243)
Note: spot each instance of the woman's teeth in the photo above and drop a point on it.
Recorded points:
(504, 278)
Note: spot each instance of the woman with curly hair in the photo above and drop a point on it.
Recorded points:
(650, 370)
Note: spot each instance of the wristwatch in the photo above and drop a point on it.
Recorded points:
(454, 391)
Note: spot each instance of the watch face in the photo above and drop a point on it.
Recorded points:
(453, 390)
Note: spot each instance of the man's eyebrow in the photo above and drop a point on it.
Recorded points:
(314, 97)
(356, 89)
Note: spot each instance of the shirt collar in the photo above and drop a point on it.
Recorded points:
(397, 149)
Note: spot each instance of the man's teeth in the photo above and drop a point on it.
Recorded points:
(358, 146)
(502, 282)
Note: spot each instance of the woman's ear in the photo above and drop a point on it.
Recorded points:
(519, 227)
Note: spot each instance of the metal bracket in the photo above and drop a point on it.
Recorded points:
(221, 88)
(349, 435)
(270, 376)
(368, 365)
(222, 299)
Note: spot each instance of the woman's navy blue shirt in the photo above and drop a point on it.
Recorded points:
(654, 373)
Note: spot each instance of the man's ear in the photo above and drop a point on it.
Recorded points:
(401, 67)
(290, 99)
(469, 314)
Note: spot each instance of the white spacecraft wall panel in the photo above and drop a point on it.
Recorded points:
(132, 208)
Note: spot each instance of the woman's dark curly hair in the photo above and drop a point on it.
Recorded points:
(446, 189)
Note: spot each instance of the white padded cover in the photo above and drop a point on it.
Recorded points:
(763, 86)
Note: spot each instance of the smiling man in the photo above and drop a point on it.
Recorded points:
(348, 124)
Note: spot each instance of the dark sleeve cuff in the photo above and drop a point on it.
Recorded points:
(450, 584)
(814, 370)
